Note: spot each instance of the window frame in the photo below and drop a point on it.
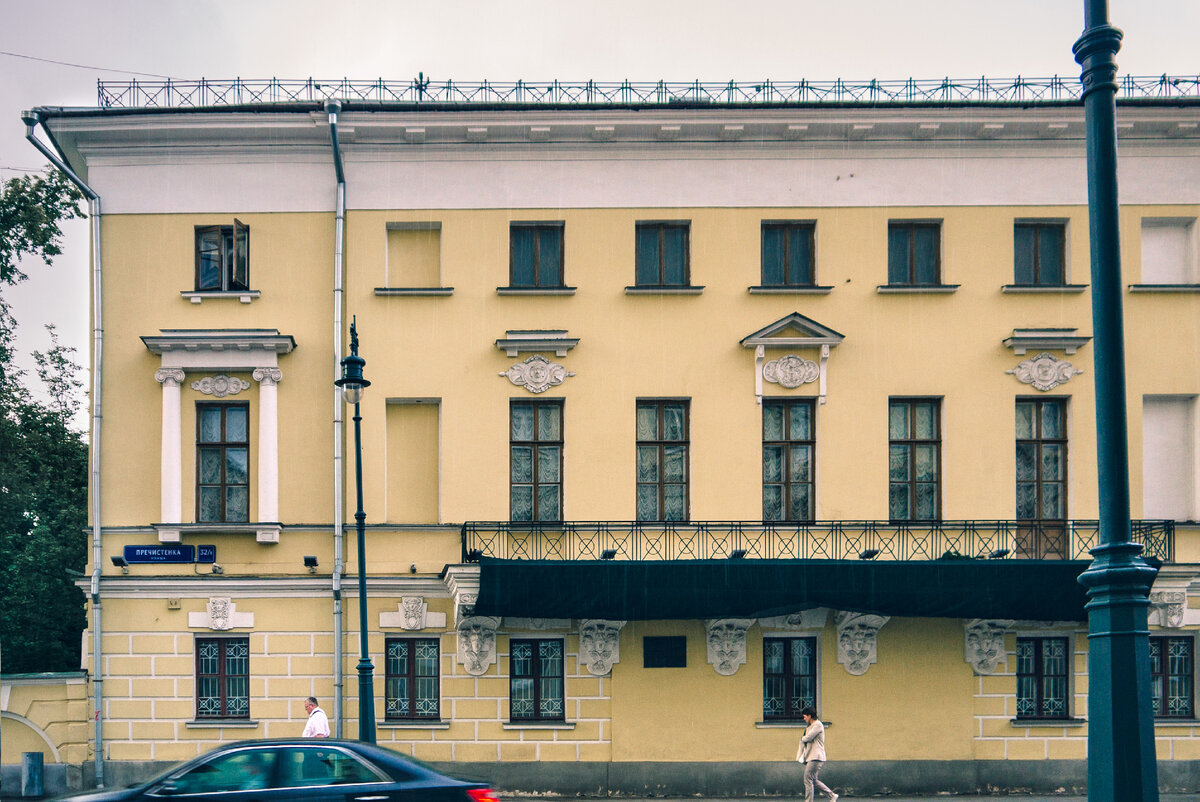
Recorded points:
(786, 483)
(412, 676)
(233, 257)
(911, 227)
(1040, 677)
(661, 227)
(1158, 693)
(911, 443)
(1037, 226)
(222, 676)
(788, 677)
(1040, 536)
(224, 445)
(661, 444)
(538, 677)
(536, 227)
(536, 445)
(806, 227)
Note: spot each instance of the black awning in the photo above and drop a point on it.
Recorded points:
(624, 590)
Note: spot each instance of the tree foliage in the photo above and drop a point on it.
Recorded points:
(43, 460)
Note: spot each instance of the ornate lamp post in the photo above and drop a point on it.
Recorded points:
(353, 385)
(1121, 760)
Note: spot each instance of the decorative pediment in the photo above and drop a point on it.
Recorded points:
(519, 341)
(1023, 340)
(213, 350)
(792, 370)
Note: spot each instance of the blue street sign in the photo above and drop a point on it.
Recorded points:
(170, 554)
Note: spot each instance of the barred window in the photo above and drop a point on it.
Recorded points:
(223, 678)
(536, 680)
(789, 677)
(1043, 680)
(412, 678)
(1172, 676)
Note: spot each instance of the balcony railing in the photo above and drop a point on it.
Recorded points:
(423, 91)
(819, 540)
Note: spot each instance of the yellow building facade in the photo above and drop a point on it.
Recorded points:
(680, 419)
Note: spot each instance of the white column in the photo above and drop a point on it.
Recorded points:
(171, 480)
(268, 443)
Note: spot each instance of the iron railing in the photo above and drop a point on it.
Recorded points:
(821, 540)
(423, 91)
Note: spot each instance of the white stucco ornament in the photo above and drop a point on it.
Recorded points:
(984, 644)
(1044, 372)
(220, 385)
(727, 644)
(791, 371)
(599, 645)
(477, 644)
(537, 374)
(219, 615)
(1167, 608)
(412, 613)
(858, 639)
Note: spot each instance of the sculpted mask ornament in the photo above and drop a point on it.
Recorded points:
(1167, 607)
(412, 610)
(1044, 372)
(984, 648)
(727, 644)
(220, 386)
(477, 644)
(600, 645)
(537, 374)
(857, 640)
(220, 613)
(791, 371)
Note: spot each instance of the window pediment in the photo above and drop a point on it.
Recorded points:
(794, 331)
(219, 349)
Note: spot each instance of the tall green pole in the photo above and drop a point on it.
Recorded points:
(1121, 760)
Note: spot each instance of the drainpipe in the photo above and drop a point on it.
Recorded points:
(333, 108)
(31, 120)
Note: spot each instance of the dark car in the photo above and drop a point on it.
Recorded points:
(311, 770)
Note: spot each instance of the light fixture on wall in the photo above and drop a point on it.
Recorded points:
(737, 554)
(216, 569)
(869, 554)
(121, 563)
(310, 562)
(608, 554)
(998, 554)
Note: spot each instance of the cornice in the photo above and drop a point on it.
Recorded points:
(206, 586)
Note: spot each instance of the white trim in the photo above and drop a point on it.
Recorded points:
(37, 730)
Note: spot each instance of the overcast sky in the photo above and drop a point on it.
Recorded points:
(642, 40)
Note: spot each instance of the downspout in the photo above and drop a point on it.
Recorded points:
(31, 120)
(333, 108)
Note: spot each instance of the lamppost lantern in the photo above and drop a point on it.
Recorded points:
(352, 382)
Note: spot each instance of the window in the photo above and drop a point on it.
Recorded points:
(414, 256)
(788, 254)
(664, 651)
(662, 255)
(1041, 478)
(536, 680)
(223, 678)
(223, 463)
(1170, 458)
(662, 460)
(223, 258)
(1039, 254)
(536, 255)
(1171, 677)
(789, 677)
(535, 450)
(412, 678)
(914, 254)
(240, 770)
(1042, 678)
(311, 766)
(1169, 251)
(914, 459)
(788, 447)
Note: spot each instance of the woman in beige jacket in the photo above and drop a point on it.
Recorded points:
(812, 754)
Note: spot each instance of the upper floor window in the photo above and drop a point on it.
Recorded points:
(223, 258)
(914, 254)
(222, 463)
(789, 677)
(1172, 676)
(788, 446)
(1041, 477)
(662, 255)
(1039, 248)
(1043, 678)
(788, 254)
(914, 459)
(536, 680)
(412, 678)
(536, 255)
(662, 460)
(222, 678)
(1169, 251)
(535, 448)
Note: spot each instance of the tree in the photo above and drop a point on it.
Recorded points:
(43, 460)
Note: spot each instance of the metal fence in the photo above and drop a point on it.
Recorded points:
(820, 540)
(423, 91)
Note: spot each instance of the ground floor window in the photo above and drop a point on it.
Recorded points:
(536, 680)
(1043, 679)
(789, 677)
(1172, 672)
(222, 678)
(412, 678)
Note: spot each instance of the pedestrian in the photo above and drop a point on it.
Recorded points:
(318, 722)
(812, 754)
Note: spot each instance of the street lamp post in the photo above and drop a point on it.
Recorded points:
(353, 384)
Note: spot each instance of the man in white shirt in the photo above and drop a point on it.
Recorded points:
(812, 754)
(318, 722)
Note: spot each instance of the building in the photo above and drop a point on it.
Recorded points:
(687, 408)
